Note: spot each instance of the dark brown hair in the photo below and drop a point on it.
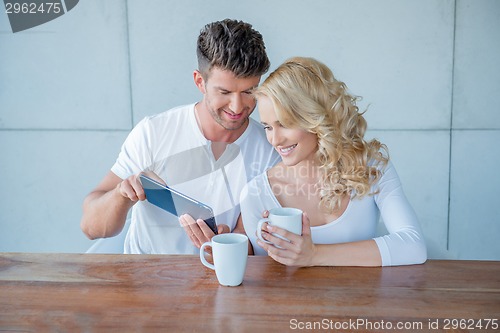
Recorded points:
(234, 46)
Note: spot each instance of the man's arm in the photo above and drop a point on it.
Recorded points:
(105, 208)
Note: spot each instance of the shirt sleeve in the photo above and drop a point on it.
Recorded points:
(254, 199)
(405, 244)
(135, 154)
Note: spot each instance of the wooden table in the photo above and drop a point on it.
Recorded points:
(134, 293)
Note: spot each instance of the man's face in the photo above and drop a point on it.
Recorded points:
(228, 99)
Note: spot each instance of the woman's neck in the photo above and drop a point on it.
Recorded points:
(305, 172)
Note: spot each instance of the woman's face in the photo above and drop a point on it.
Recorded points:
(295, 145)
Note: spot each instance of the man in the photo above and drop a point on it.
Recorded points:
(207, 150)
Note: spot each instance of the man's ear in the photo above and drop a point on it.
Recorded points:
(199, 81)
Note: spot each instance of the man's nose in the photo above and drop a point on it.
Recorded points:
(236, 103)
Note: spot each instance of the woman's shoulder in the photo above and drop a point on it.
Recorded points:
(257, 183)
(256, 191)
(388, 181)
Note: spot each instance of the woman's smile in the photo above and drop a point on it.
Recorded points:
(285, 151)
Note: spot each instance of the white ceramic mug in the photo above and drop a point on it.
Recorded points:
(286, 218)
(230, 253)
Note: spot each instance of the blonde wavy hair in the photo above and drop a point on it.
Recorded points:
(306, 95)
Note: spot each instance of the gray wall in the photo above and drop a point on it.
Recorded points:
(71, 90)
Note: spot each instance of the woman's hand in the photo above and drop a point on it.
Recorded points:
(300, 251)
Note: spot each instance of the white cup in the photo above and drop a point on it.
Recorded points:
(286, 218)
(230, 253)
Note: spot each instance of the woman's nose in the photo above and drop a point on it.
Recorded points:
(277, 137)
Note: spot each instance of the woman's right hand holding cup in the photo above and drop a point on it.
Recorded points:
(290, 248)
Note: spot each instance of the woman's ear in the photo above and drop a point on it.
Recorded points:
(199, 81)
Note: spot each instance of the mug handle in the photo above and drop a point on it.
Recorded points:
(202, 256)
(259, 230)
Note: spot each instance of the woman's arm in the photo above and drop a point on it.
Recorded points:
(404, 244)
(255, 197)
(301, 251)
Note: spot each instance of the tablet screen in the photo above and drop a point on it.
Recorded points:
(176, 203)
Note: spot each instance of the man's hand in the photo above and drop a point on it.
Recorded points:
(198, 231)
(131, 188)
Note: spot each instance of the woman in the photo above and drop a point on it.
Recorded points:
(341, 182)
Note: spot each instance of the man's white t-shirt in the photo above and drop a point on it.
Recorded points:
(171, 145)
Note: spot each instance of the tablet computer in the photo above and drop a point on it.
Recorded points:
(177, 203)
